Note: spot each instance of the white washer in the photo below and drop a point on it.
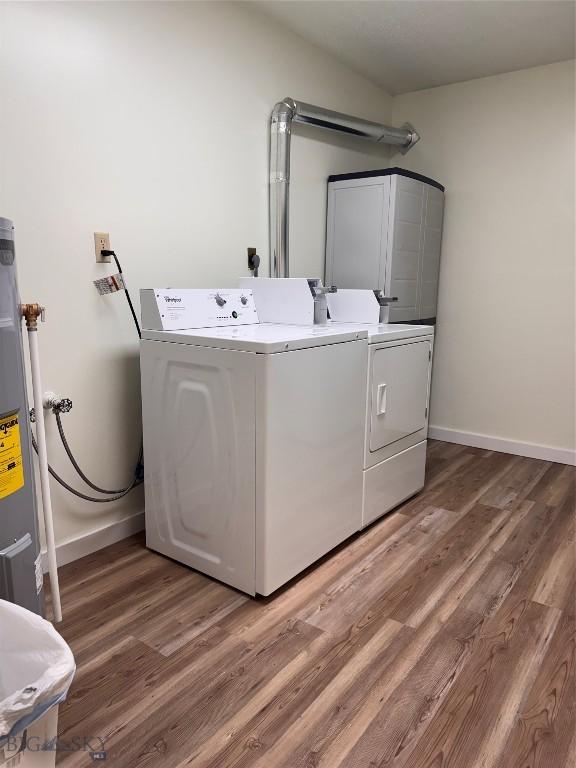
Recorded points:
(253, 442)
(396, 413)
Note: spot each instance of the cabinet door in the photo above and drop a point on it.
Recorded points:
(356, 242)
(399, 383)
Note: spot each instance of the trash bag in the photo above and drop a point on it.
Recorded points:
(36, 669)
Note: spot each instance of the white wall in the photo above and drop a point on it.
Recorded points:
(504, 148)
(149, 121)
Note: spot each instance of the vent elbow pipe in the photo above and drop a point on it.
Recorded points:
(284, 114)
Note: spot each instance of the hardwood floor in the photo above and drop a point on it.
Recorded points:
(441, 637)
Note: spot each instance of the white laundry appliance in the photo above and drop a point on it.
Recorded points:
(254, 436)
(398, 372)
(397, 396)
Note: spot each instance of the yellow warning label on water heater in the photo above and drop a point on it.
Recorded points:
(11, 469)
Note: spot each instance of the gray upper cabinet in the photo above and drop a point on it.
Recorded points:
(384, 231)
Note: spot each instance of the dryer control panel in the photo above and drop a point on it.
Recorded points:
(170, 309)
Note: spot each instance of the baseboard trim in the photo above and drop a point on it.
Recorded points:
(531, 450)
(74, 549)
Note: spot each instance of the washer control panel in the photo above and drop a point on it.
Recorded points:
(169, 309)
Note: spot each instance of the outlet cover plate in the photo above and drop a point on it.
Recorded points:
(102, 243)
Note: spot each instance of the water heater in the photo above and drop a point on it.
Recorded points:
(20, 566)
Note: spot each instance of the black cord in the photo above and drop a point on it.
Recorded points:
(126, 291)
(77, 467)
(140, 465)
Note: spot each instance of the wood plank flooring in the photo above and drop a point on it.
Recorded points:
(443, 636)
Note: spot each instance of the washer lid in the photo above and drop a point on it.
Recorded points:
(388, 331)
(264, 338)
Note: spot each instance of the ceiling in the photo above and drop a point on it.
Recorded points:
(406, 45)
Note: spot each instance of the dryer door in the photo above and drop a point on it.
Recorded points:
(399, 381)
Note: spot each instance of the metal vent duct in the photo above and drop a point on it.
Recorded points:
(284, 114)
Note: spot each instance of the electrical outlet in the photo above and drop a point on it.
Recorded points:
(102, 243)
(253, 261)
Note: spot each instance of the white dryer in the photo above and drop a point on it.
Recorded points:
(253, 437)
(396, 421)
